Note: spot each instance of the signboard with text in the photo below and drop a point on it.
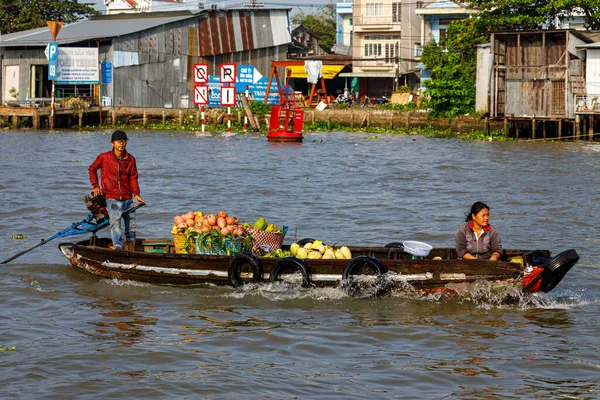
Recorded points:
(52, 56)
(77, 65)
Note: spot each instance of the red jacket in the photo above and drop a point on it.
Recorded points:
(118, 178)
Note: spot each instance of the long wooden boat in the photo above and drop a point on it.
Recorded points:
(371, 271)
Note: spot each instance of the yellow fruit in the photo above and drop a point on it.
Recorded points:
(346, 252)
(328, 255)
(294, 248)
(301, 253)
(437, 258)
(314, 255)
(320, 248)
(308, 246)
(316, 244)
(338, 254)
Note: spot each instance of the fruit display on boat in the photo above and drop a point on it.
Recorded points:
(200, 222)
(317, 250)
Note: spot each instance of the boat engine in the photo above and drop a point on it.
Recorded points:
(96, 205)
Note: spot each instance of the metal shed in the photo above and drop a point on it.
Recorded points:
(152, 54)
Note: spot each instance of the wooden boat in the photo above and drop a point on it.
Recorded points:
(371, 271)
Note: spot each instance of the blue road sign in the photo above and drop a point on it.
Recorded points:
(52, 54)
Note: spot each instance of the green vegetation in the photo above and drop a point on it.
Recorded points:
(20, 15)
(321, 24)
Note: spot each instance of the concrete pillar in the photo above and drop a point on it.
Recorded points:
(559, 128)
(533, 129)
(16, 121)
(80, 124)
(506, 129)
(181, 117)
(577, 126)
(113, 117)
(164, 116)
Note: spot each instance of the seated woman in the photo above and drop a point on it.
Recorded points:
(476, 238)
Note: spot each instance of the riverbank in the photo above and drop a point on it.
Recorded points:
(374, 120)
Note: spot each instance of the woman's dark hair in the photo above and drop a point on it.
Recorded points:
(475, 208)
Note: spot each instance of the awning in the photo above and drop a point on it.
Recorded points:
(368, 74)
(329, 71)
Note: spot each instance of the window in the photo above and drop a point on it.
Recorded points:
(419, 4)
(374, 9)
(373, 50)
(350, 21)
(418, 52)
(396, 12)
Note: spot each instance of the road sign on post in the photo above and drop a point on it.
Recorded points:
(228, 73)
(200, 74)
(228, 96)
(52, 55)
(201, 95)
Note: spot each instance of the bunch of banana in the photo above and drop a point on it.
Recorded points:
(317, 250)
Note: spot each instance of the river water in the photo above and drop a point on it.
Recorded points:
(77, 336)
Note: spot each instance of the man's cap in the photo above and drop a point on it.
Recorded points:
(118, 135)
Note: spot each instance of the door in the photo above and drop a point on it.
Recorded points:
(11, 81)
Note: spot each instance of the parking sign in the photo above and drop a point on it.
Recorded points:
(228, 73)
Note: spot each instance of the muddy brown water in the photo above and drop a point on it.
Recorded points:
(77, 336)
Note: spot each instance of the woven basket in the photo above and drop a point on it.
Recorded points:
(180, 241)
(265, 242)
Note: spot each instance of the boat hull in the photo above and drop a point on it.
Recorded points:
(402, 271)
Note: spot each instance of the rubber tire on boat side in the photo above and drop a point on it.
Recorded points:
(394, 244)
(302, 242)
(556, 268)
(235, 268)
(287, 264)
(363, 262)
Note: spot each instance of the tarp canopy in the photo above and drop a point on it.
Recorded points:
(329, 71)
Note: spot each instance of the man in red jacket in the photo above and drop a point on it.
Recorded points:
(119, 183)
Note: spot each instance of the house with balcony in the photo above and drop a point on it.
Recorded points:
(344, 28)
(383, 36)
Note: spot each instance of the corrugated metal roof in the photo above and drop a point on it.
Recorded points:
(101, 27)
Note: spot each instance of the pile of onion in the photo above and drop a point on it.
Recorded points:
(204, 223)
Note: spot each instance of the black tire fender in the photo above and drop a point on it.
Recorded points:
(365, 264)
(235, 268)
(290, 264)
(302, 242)
(556, 268)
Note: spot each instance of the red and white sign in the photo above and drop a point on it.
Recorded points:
(200, 73)
(201, 95)
(228, 96)
(228, 72)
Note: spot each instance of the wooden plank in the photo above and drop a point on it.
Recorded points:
(246, 106)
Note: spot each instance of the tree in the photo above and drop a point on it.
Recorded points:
(453, 65)
(321, 24)
(20, 15)
(503, 15)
